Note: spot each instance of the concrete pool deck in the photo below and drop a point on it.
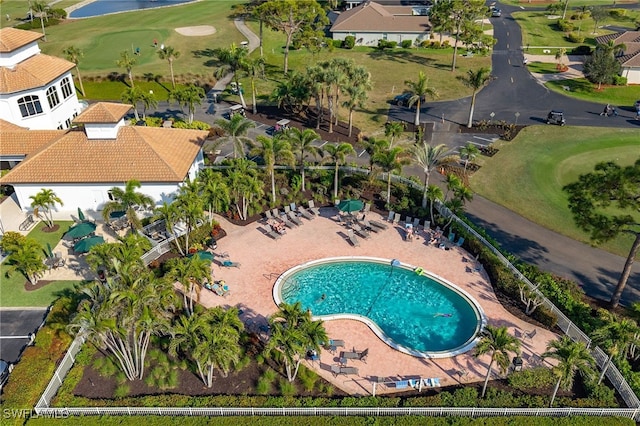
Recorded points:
(263, 259)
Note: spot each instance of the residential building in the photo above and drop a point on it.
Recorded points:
(629, 56)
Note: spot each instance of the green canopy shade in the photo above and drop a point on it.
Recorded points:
(204, 255)
(81, 217)
(81, 230)
(85, 245)
(350, 206)
(117, 215)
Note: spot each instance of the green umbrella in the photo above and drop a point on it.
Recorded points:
(85, 245)
(80, 215)
(49, 251)
(204, 255)
(81, 230)
(350, 205)
(117, 214)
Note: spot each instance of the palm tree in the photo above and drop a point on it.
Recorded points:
(429, 158)
(245, 187)
(293, 333)
(434, 192)
(469, 152)
(133, 95)
(125, 200)
(125, 254)
(45, 200)
(74, 54)
(618, 336)
(233, 60)
(27, 258)
(127, 62)
(42, 9)
(302, 144)
(338, 153)
(475, 80)
(254, 69)
(497, 342)
(169, 54)
(392, 130)
(372, 145)
(419, 90)
(236, 128)
(189, 96)
(390, 161)
(572, 357)
(214, 190)
(189, 207)
(148, 101)
(273, 150)
(334, 78)
(560, 58)
(357, 98)
(168, 212)
(191, 273)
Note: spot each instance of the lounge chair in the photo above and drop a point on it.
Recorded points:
(362, 356)
(378, 224)
(349, 355)
(287, 209)
(220, 290)
(287, 222)
(313, 208)
(369, 227)
(353, 238)
(230, 264)
(452, 236)
(361, 231)
(276, 214)
(294, 218)
(396, 218)
(305, 213)
(414, 383)
(402, 384)
(391, 214)
(333, 345)
(272, 233)
(427, 225)
(367, 207)
(416, 223)
(408, 220)
(337, 369)
(460, 241)
(268, 216)
(432, 383)
(530, 334)
(293, 207)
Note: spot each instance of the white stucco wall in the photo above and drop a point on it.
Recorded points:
(632, 74)
(8, 59)
(371, 39)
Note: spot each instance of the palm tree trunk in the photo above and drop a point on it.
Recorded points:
(80, 80)
(330, 101)
(173, 80)
(455, 47)
(302, 172)
(42, 24)
(426, 189)
(417, 119)
(473, 104)
(626, 271)
(261, 52)
(273, 185)
(555, 391)
(253, 95)
(350, 121)
(131, 78)
(388, 187)
(335, 183)
(486, 379)
(605, 368)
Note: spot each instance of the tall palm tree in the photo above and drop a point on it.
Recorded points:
(334, 78)
(572, 357)
(293, 333)
(170, 214)
(232, 60)
(390, 161)
(357, 98)
(497, 342)
(434, 192)
(430, 157)
(254, 67)
(190, 208)
(419, 89)
(338, 153)
(469, 152)
(245, 187)
(302, 144)
(74, 54)
(214, 190)
(127, 62)
(148, 101)
(190, 272)
(133, 95)
(125, 254)
(42, 9)
(125, 200)
(475, 80)
(189, 97)
(617, 337)
(560, 58)
(169, 54)
(392, 130)
(27, 258)
(236, 128)
(372, 145)
(273, 150)
(45, 201)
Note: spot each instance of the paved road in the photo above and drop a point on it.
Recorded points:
(15, 327)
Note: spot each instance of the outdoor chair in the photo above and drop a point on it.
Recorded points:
(427, 225)
(432, 383)
(402, 384)
(460, 241)
(361, 231)
(416, 223)
(349, 355)
(452, 236)
(391, 214)
(305, 213)
(333, 345)
(370, 227)
(530, 334)
(379, 225)
(353, 238)
(230, 264)
(272, 233)
(294, 218)
(287, 222)
(287, 209)
(396, 218)
(313, 208)
(407, 220)
(268, 216)
(293, 207)
(367, 208)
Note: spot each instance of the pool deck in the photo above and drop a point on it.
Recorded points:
(263, 259)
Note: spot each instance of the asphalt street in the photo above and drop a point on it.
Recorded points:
(15, 327)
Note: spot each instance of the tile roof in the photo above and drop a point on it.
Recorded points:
(6, 126)
(36, 71)
(12, 38)
(103, 112)
(19, 141)
(148, 154)
(631, 41)
(373, 17)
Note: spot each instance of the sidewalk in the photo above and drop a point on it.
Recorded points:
(574, 63)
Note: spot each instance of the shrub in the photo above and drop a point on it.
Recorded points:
(287, 388)
(384, 44)
(564, 25)
(581, 50)
(337, 43)
(11, 241)
(406, 44)
(617, 13)
(575, 37)
(545, 316)
(121, 391)
(619, 80)
(533, 378)
(349, 42)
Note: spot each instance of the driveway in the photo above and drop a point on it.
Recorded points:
(15, 327)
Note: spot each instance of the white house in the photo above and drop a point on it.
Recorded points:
(630, 57)
(81, 165)
(370, 22)
(36, 90)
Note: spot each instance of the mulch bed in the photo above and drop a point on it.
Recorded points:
(54, 228)
(31, 287)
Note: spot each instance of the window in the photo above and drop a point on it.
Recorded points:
(29, 105)
(67, 123)
(65, 85)
(52, 97)
(110, 196)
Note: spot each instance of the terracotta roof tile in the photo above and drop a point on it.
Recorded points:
(13, 38)
(6, 126)
(103, 112)
(36, 71)
(148, 154)
(373, 17)
(26, 142)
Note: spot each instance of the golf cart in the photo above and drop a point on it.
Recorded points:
(236, 109)
(556, 117)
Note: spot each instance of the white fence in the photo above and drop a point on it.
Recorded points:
(564, 323)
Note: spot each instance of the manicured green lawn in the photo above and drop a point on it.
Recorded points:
(623, 96)
(541, 160)
(12, 288)
(572, 5)
(543, 67)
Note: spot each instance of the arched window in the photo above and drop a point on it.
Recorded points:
(29, 105)
(65, 85)
(52, 97)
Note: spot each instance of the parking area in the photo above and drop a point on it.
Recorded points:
(16, 325)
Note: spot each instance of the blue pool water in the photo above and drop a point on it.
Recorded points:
(412, 310)
(103, 7)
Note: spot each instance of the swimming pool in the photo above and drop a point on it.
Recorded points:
(104, 7)
(422, 315)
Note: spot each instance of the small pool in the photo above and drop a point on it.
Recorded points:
(104, 7)
(422, 315)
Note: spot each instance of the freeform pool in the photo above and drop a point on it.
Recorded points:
(104, 7)
(419, 314)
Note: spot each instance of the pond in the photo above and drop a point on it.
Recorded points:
(105, 7)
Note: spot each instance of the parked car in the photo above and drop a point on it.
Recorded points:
(5, 370)
(556, 117)
(403, 99)
(496, 13)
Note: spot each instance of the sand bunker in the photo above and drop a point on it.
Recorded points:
(201, 30)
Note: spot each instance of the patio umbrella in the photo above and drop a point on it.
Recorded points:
(350, 206)
(117, 214)
(85, 245)
(49, 251)
(80, 215)
(204, 255)
(81, 230)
